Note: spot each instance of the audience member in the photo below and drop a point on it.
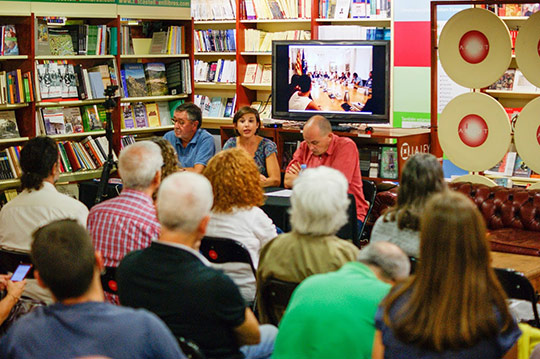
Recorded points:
(38, 204)
(129, 221)
(13, 294)
(170, 157)
(453, 307)
(319, 205)
(247, 124)
(301, 99)
(172, 279)
(322, 148)
(422, 176)
(194, 145)
(236, 215)
(332, 315)
(79, 323)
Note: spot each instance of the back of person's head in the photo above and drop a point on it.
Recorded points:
(393, 263)
(319, 201)
(183, 200)
(235, 180)
(170, 157)
(422, 176)
(304, 82)
(64, 257)
(193, 112)
(138, 164)
(38, 157)
(454, 283)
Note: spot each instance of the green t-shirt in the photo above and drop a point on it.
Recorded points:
(332, 315)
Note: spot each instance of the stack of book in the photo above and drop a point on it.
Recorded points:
(89, 154)
(213, 10)
(276, 9)
(215, 106)
(258, 74)
(67, 120)
(223, 71)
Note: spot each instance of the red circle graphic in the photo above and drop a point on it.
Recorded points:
(538, 47)
(474, 47)
(538, 135)
(212, 254)
(473, 130)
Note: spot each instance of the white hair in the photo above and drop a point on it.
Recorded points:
(319, 201)
(183, 200)
(391, 260)
(138, 164)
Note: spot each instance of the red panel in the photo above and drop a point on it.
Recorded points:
(412, 43)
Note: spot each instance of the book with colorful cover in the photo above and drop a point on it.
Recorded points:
(135, 80)
(8, 125)
(156, 79)
(152, 113)
(91, 120)
(506, 82)
(389, 163)
(139, 113)
(505, 167)
(73, 120)
(53, 119)
(521, 169)
(127, 116)
(10, 45)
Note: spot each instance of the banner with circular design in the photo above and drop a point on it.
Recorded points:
(527, 134)
(528, 49)
(475, 48)
(474, 131)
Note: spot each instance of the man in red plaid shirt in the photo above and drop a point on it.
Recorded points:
(129, 221)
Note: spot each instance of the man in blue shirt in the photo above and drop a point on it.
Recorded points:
(79, 324)
(194, 145)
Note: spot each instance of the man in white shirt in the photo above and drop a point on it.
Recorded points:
(37, 205)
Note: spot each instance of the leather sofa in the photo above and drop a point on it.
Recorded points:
(512, 215)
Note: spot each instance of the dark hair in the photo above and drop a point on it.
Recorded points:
(245, 110)
(38, 157)
(193, 111)
(63, 254)
(422, 176)
(304, 82)
(293, 85)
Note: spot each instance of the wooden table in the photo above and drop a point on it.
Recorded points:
(528, 265)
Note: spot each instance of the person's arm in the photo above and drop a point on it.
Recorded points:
(198, 168)
(378, 347)
(14, 292)
(206, 150)
(313, 106)
(248, 332)
(274, 175)
(292, 172)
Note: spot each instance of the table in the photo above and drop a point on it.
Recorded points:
(528, 265)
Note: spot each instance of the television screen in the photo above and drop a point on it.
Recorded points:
(345, 81)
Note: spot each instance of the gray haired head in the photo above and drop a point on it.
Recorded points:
(389, 258)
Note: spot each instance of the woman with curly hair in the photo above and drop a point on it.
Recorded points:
(422, 177)
(454, 306)
(170, 157)
(247, 123)
(235, 214)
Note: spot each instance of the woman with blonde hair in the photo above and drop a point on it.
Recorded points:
(235, 213)
(264, 152)
(453, 307)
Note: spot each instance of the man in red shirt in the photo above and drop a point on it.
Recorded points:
(322, 148)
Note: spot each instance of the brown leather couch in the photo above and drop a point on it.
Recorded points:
(512, 215)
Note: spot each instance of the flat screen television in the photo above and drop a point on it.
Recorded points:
(345, 81)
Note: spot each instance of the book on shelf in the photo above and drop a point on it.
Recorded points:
(529, 9)
(159, 42)
(213, 10)
(139, 114)
(342, 9)
(128, 120)
(266, 75)
(53, 120)
(521, 84)
(520, 168)
(178, 74)
(60, 42)
(251, 73)
(358, 9)
(505, 167)
(42, 38)
(217, 106)
(93, 117)
(512, 112)
(506, 82)
(164, 113)
(156, 79)
(73, 120)
(135, 80)
(10, 45)
(215, 40)
(8, 125)
(389, 163)
(503, 182)
(152, 114)
(5, 169)
(229, 107)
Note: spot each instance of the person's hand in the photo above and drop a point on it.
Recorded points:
(262, 178)
(15, 289)
(4, 278)
(294, 169)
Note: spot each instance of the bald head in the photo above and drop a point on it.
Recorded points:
(392, 262)
(317, 133)
(319, 122)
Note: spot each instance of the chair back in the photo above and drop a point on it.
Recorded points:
(224, 250)
(190, 349)
(517, 286)
(10, 260)
(350, 229)
(414, 264)
(370, 192)
(108, 280)
(275, 298)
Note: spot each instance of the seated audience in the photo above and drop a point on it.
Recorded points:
(79, 324)
(39, 203)
(236, 215)
(332, 315)
(247, 123)
(319, 205)
(422, 176)
(194, 145)
(129, 221)
(453, 307)
(13, 292)
(172, 279)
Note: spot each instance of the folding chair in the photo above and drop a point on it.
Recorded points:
(224, 250)
(517, 286)
(370, 192)
(190, 349)
(108, 280)
(275, 298)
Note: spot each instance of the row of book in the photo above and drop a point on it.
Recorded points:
(222, 71)
(75, 39)
(215, 106)
(16, 87)
(353, 32)
(215, 40)
(89, 154)
(156, 78)
(169, 40)
(126, 141)
(258, 40)
(355, 9)
(9, 45)
(67, 120)
(213, 10)
(513, 80)
(143, 115)
(511, 165)
(379, 162)
(258, 74)
(513, 9)
(9, 162)
(276, 9)
(60, 80)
